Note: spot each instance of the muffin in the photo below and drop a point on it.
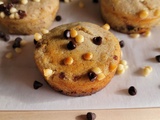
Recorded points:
(131, 16)
(27, 16)
(78, 59)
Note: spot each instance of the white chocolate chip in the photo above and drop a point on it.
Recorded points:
(123, 62)
(9, 55)
(119, 72)
(147, 33)
(12, 16)
(13, 10)
(143, 14)
(47, 72)
(24, 1)
(134, 35)
(18, 50)
(106, 26)
(79, 39)
(1, 2)
(88, 56)
(37, 36)
(96, 70)
(16, 15)
(73, 33)
(100, 76)
(2, 15)
(68, 61)
(44, 31)
(147, 70)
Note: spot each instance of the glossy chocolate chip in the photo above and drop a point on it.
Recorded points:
(17, 42)
(132, 90)
(121, 43)
(7, 12)
(158, 58)
(9, 6)
(58, 18)
(97, 40)
(67, 34)
(37, 85)
(91, 116)
(71, 45)
(92, 76)
(34, 41)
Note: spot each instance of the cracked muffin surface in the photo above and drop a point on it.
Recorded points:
(78, 59)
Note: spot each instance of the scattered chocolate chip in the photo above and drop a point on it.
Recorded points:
(22, 14)
(34, 41)
(62, 75)
(37, 85)
(97, 40)
(1, 34)
(15, 1)
(95, 1)
(91, 116)
(130, 27)
(6, 37)
(2, 7)
(67, 34)
(58, 18)
(9, 6)
(158, 58)
(17, 42)
(132, 90)
(38, 45)
(71, 45)
(121, 43)
(7, 12)
(92, 76)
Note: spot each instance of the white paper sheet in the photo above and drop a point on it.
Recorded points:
(18, 74)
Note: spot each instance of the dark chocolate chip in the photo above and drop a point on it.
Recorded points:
(6, 37)
(97, 40)
(132, 90)
(67, 34)
(2, 8)
(15, 1)
(61, 0)
(34, 41)
(37, 85)
(92, 76)
(130, 27)
(9, 6)
(1, 34)
(71, 45)
(38, 45)
(62, 75)
(158, 58)
(17, 42)
(7, 12)
(58, 18)
(95, 1)
(22, 14)
(91, 116)
(121, 43)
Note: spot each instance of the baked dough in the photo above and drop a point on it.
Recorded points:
(82, 69)
(131, 16)
(38, 15)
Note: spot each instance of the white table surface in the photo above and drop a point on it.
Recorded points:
(18, 74)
